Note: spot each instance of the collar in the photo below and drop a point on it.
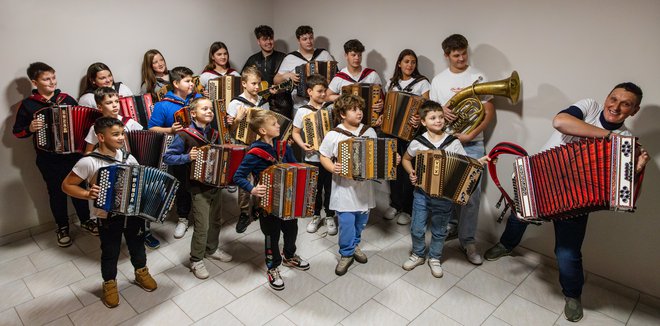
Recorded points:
(608, 125)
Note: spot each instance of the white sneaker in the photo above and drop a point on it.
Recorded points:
(390, 213)
(436, 267)
(330, 224)
(181, 228)
(472, 254)
(412, 262)
(314, 224)
(220, 255)
(403, 218)
(199, 269)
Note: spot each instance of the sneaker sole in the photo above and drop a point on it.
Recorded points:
(413, 267)
(64, 245)
(108, 305)
(496, 258)
(295, 267)
(150, 247)
(197, 276)
(339, 273)
(276, 288)
(360, 260)
(143, 288)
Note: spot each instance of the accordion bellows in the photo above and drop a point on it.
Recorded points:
(398, 109)
(577, 178)
(371, 93)
(65, 128)
(244, 134)
(327, 69)
(448, 175)
(148, 147)
(315, 126)
(291, 190)
(367, 158)
(225, 88)
(138, 107)
(135, 190)
(216, 164)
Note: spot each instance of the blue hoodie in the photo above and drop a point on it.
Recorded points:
(255, 164)
(163, 113)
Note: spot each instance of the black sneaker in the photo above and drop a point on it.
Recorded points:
(496, 252)
(243, 221)
(150, 241)
(91, 226)
(452, 232)
(63, 238)
(573, 309)
(296, 262)
(274, 279)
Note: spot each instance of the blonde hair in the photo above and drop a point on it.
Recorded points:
(259, 118)
(344, 103)
(250, 71)
(195, 103)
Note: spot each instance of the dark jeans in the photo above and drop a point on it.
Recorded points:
(183, 198)
(271, 227)
(54, 168)
(569, 235)
(401, 190)
(323, 188)
(110, 232)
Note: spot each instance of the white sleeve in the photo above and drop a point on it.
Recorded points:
(423, 87)
(456, 147)
(434, 94)
(325, 56)
(413, 148)
(84, 168)
(91, 137)
(235, 73)
(287, 65)
(133, 125)
(335, 85)
(297, 119)
(588, 106)
(124, 90)
(204, 79)
(371, 133)
(87, 100)
(232, 110)
(131, 160)
(328, 146)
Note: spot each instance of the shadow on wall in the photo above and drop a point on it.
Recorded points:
(425, 67)
(645, 127)
(376, 61)
(322, 42)
(22, 158)
(281, 45)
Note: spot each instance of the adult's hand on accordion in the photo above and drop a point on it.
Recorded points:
(307, 148)
(449, 115)
(378, 122)
(642, 160)
(413, 177)
(293, 76)
(378, 107)
(36, 124)
(484, 160)
(414, 121)
(176, 127)
(93, 192)
(259, 191)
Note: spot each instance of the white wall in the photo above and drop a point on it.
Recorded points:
(564, 51)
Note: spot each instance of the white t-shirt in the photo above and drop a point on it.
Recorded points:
(348, 195)
(206, 76)
(88, 100)
(290, 63)
(297, 122)
(131, 124)
(454, 147)
(446, 84)
(337, 82)
(591, 111)
(419, 88)
(88, 166)
(234, 105)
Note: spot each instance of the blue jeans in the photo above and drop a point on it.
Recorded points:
(466, 217)
(351, 225)
(569, 235)
(440, 210)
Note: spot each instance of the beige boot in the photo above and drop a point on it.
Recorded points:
(144, 280)
(110, 294)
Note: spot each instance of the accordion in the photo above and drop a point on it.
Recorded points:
(216, 164)
(398, 109)
(315, 126)
(371, 93)
(243, 133)
(182, 116)
(291, 190)
(327, 69)
(367, 158)
(446, 174)
(197, 88)
(225, 88)
(220, 121)
(576, 178)
(135, 190)
(148, 147)
(65, 128)
(137, 107)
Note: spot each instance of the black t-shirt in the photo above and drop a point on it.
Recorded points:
(267, 65)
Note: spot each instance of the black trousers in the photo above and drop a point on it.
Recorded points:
(183, 198)
(110, 231)
(54, 168)
(271, 227)
(323, 188)
(401, 190)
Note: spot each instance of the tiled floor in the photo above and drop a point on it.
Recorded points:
(43, 284)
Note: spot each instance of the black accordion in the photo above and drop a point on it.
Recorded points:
(65, 128)
(367, 158)
(225, 88)
(216, 164)
(448, 175)
(291, 190)
(315, 126)
(398, 109)
(135, 190)
(138, 107)
(245, 135)
(148, 147)
(327, 69)
(371, 93)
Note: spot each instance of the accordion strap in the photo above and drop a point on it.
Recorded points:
(280, 150)
(124, 157)
(317, 52)
(246, 101)
(499, 149)
(422, 140)
(349, 134)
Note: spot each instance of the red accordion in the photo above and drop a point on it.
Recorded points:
(291, 190)
(65, 128)
(148, 147)
(137, 107)
(216, 164)
(572, 179)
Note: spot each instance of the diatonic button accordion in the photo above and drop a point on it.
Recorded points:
(367, 158)
(448, 175)
(216, 164)
(64, 128)
(371, 93)
(148, 147)
(138, 107)
(291, 190)
(315, 126)
(245, 135)
(327, 69)
(225, 88)
(135, 190)
(399, 108)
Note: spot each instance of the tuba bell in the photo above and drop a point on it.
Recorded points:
(468, 108)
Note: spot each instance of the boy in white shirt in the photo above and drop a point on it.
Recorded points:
(354, 72)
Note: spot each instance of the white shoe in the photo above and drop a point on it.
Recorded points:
(199, 269)
(403, 218)
(390, 213)
(330, 224)
(472, 254)
(220, 255)
(314, 224)
(412, 262)
(181, 228)
(436, 267)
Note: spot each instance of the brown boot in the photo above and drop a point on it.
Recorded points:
(110, 294)
(144, 280)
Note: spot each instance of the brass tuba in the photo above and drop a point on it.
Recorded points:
(468, 108)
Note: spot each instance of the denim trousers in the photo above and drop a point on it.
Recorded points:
(351, 225)
(569, 235)
(466, 217)
(439, 211)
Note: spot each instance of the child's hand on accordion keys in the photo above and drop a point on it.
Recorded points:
(176, 127)
(35, 125)
(398, 159)
(93, 192)
(413, 177)
(307, 148)
(378, 107)
(259, 190)
(337, 168)
(414, 121)
(194, 153)
(484, 160)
